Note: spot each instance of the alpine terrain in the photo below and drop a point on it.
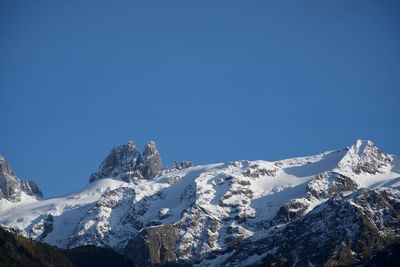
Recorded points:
(338, 208)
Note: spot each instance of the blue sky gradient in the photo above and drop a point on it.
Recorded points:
(209, 81)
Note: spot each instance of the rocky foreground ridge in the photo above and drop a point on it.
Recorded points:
(337, 208)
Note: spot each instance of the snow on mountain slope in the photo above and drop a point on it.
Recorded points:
(211, 207)
(14, 190)
(8, 206)
(343, 231)
(66, 212)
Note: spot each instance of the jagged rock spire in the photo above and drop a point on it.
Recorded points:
(121, 160)
(11, 187)
(125, 162)
(4, 167)
(150, 161)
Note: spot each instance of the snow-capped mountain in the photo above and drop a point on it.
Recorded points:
(13, 189)
(226, 214)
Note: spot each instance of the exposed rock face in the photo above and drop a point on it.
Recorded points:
(153, 246)
(11, 187)
(181, 165)
(121, 161)
(344, 231)
(126, 163)
(31, 188)
(150, 161)
(107, 220)
(364, 157)
(4, 167)
(43, 228)
(322, 187)
(333, 209)
(255, 171)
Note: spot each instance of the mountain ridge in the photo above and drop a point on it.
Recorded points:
(188, 214)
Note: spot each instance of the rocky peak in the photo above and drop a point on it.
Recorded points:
(364, 157)
(4, 167)
(11, 187)
(121, 160)
(150, 149)
(125, 162)
(150, 161)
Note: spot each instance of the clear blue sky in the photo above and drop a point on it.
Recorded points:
(209, 81)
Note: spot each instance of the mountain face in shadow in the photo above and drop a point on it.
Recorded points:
(17, 251)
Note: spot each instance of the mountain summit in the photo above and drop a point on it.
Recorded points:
(337, 208)
(126, 163)
(12, 188)
(364, 157)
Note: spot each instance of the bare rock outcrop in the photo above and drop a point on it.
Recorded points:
(126, 162)
(11, 187)
(154, 246)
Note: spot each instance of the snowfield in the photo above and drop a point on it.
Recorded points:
(213, 206)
